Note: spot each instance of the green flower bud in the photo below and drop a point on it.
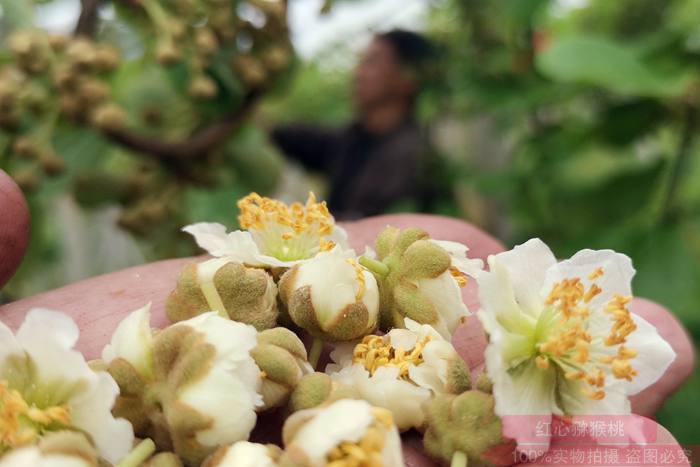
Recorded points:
(282, 359)
(312, 390)
(251, 70)
(484, 383)
(463, 423)
(418, 279)
(107, 58)
(93, 91)
(51, 163)
(167, 53)
(203, 87)
(109, 116)
(332, 297)
(244, 294)
(206, 42)
(81, 53)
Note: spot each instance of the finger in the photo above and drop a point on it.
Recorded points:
(650, 400)
(98, 304)
(14, 227)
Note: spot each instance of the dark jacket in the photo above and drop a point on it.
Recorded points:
(368, 173)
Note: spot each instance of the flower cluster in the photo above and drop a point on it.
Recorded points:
(562, 342)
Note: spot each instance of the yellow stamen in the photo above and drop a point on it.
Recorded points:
(459, 276)
(598, 272)
(367, 452)
(258, 213)
(374, 352)
(542, 362)
(21, 423)
(592, 394)
(623, 324)
(360, 274)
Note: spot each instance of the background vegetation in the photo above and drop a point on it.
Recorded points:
(577, 125)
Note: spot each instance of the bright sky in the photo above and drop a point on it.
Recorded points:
(350, 23)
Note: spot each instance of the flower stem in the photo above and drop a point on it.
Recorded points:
(315, 352)
(459, 459)
(139, 454)
(375, 266)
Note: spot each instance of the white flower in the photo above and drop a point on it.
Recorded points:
(228, 394)
(398, 371)
(343, 431)
(221, 389)
(332, 296)
(46, 385)
(561, 339)
(276, 235)
(242, 454)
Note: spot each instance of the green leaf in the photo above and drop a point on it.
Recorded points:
(602, 62)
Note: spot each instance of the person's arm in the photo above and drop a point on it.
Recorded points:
(311, 146)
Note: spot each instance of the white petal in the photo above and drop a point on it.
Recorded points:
(445, 294)
(227, 400)
(616, 278)
(458, 253)
(403, 338)
(47, 337)
(91, 411)
(132, 341)
(386, 389)
(245, 454)
(432, 373)
(344, 420)
(496, 294)
(575, 402)
(8, 345)
(233, 340)
(392, 454)
(527, 265)
(654, 355)
(210, 236)
(339, 236)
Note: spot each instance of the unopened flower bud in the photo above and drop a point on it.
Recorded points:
(191, 387)
(93, 91)
(81, 53)
(421, 279)
(107, 58)
(251, 70)
(332, 297)
(206, 42)
(276, 58)
(26, 147)
(244, 294)
(203, 87)
(58, 42)
(27, 178)
(346, 432)
(167, 53)
(109, 116)
(281, 356)
(465, 423)
(245, 454)
(51, 163)
(312, 390)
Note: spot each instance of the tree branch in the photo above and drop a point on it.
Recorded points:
(200, 142)
(87, 21)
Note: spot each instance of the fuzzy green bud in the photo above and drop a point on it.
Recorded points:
(244, 294)
(282, 359)
(463, 423)
(163, 459)
(109, 116)
(416, 281)
(312, 390)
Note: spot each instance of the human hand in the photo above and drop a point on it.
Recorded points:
(98, 304)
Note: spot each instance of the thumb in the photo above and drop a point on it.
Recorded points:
(14, 227)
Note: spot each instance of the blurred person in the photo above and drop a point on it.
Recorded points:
(377, 160)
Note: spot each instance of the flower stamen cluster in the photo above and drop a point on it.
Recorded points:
(289, 223)
(374, 352)
(22, 423)
(367, 452)
(569, 347)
